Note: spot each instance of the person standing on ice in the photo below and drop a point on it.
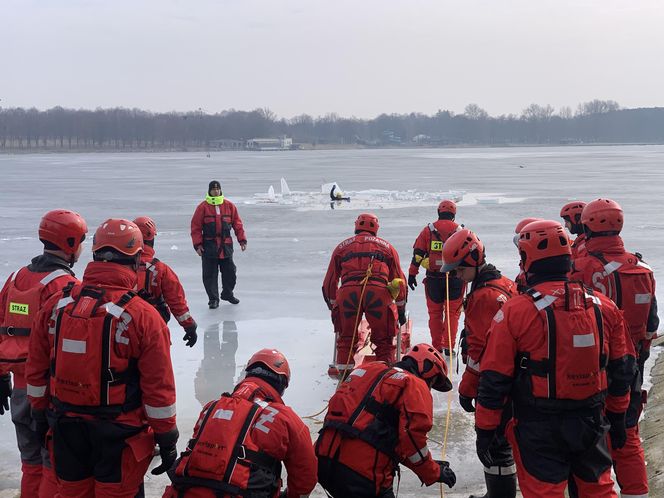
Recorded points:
(25, 292)
(464, 254)
(520, 279)
(211, 235)
(100, 362)
(629, 282)
(427, 252)
(379, 418)
(365, 264)
(159, 285)
(560, 353)
(241, 439)
(571, 214)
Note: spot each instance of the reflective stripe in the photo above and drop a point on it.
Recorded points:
(345, 366)
(114, 309)
(400, 303)
(184, 317)
(499, 316)
(647, 267)
(64, 302)
(72, 346)
(611, 266)
(594, 298)
(584, 340)
(398, 375)
(475, 365)
(359, 372)
(542, 303)
(642, 298)
(501, 471)
(420, 455)
(36, 391)
(160, 411)
(52, 276)
(223, 414)
(13, 276)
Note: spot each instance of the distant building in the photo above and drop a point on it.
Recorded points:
(227, 144)
(282, 143)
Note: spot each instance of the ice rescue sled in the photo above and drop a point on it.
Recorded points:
(365, 349)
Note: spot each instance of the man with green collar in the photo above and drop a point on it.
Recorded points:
(211, 235)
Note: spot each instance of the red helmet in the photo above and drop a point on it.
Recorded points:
(447, 206)
(367, 222)
(122, 235)
(523, 223)
(64, 229)
(542, 239)
(431, 366)
(273, 360)
(603, 215)
(147, 226)
(572, 211)
(462, 248)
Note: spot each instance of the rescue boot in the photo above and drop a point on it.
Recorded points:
(212, 304)
(224, 296)
(498, 486)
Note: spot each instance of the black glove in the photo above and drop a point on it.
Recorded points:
(466, 403)
(446, 474)
(40, 425)
(402, 317)
(412, 281)
(5, 392)
(463, 345)
(484, 439)
(167, 450)
(617, 432)
(190, 336)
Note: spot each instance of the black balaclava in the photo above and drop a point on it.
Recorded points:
(213, 184)
(554, 268)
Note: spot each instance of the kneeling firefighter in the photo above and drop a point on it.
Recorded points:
(379, 418)
(241, 439)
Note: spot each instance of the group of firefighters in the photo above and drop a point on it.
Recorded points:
(554, 363)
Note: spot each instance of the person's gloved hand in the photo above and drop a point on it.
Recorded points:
(447, 475)
(617, 432)
(199, 250)
(5, 392)
(412, 281)
(402, 317)
(190, 336)
(463, 345)
(40, 424)
(466, 403)
(167, 450)
(482, 443)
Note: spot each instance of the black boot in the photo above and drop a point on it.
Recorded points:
(225, 296)
(499, 486)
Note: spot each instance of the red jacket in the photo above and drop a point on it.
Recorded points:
(429, 243)
(140, 352)
(160, 283)
(410, 407)
(579, 247)
(276, 432)
(351, 259)
(211, 229)
(519, 361)
(488, 293)
(21, 298)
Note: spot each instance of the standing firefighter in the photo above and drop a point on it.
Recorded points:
(365, 264)
(379, 418)
(211, 235)
(159, 285)
(628, 282)
(100, 362)
(489, 291)
(241, 440)
(428, 252)
(23, 295)
(562, 355)
(571, 214)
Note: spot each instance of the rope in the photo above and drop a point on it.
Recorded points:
(449, 394)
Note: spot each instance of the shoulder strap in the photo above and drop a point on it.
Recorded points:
(367, 396)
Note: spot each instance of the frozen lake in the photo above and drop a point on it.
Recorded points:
(280, 274)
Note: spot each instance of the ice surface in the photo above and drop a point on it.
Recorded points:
(280, 274)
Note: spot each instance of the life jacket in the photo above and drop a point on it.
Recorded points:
(355, 412)
(568, 370)
(147, 282)
(216, 227)
(435, 249)
(223, 456)
(355, 263)
(91, 372)
(21, 310)
(629, 283)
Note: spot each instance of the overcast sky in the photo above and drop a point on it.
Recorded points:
(353, 57)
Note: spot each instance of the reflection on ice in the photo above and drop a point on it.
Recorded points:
(216, 375)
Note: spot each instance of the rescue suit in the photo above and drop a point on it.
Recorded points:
(561, 354)
(21, 298)
(579, 247)
(629, 282)
(100, 360)
(239, 444)
(378, 418)
(429, 245)
(359, 260)
(211, 227)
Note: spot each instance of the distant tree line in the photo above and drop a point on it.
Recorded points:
(598, 121)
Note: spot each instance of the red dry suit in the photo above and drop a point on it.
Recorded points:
(629, 282)
(429, 244)
(364, 257)
(562, 354)
(21, 298)
(211, 228)
(160, 286)
(378, 418)
(100, 357)
(238, 445)
(579, 247)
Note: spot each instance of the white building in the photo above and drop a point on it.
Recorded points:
(282, 143)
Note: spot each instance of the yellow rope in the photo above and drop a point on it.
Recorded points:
(449, 345)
